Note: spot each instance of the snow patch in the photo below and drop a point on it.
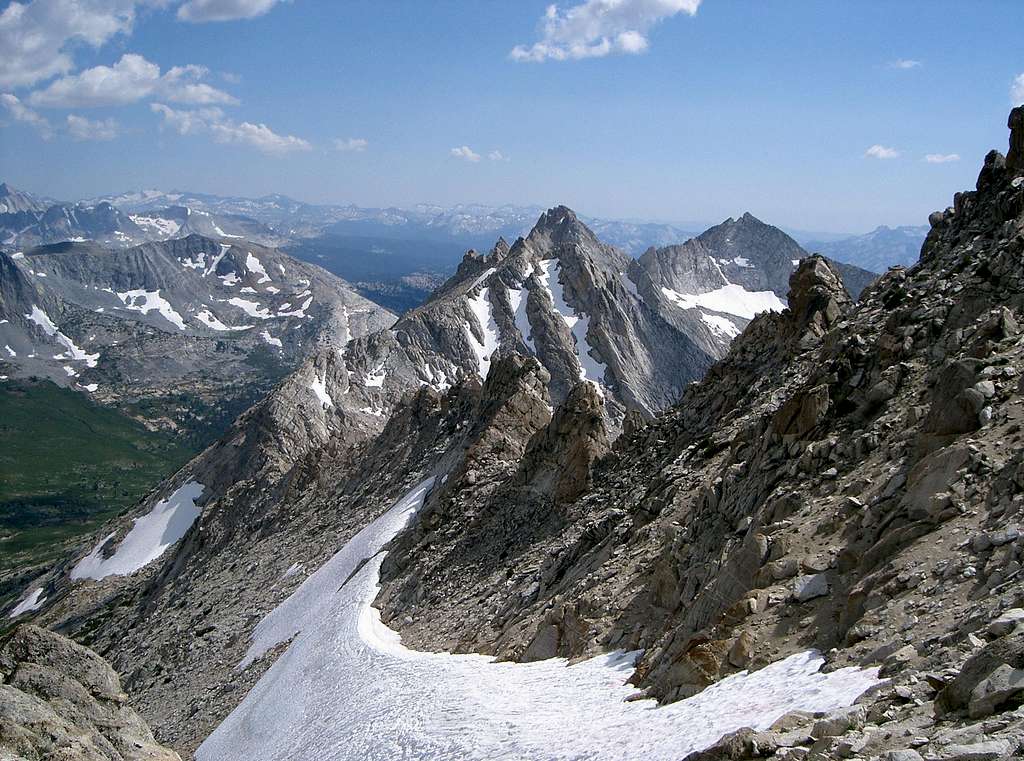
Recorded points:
(346, 687)
(271, 340)
(74, 353)
(319, 387)
(590, 368)
(518, 300)
(10, 351)
(31, 602)
(165, 228)
(208, 319)
(251, 308)
(481, 308)
(253, 265)
(91, 387)
(742, 261)
(148, 538)
(729, 299)
(723, 326)
(376, 378)
(141, 300)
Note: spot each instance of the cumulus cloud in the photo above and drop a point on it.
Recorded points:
(131, 79)
(199, 11)
(465, 153)
(81, 128)
(941, 158)
(35, 37)
(904, 63)
(1017, 90)
(350, 144)
(596, 28)
(881, 152)
(497, 156)
(22, 113)
(214, 122)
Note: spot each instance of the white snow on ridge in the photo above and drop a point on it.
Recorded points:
(481, 308)
(518, 300)
(347, 689)
(251, 308)
(482, 277)
(254, 266)
(148, 538)
(590, 368)
(167, 228)
(271, 340)
(208, 319)
(40, 318)
(319, 387)
(141, 300)
(30, 603)
(721, 325)
(729, 299)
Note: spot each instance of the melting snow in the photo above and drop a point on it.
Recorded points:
(271, 340)
(742, 261)
(730, 299)
(18, 255)
(301, 311)
(31, 602)
(376, 378)
(148, 538)
(141, 300)
(40, 318)
(346, 688)
(320, 389)
(253, 265)
(251, 308)
(482, 277)
(208, 319)
(518, 300)
(590, 368)
(721, 325)
(481, 308)
(164, 227)
(91, 386)
(11, 351)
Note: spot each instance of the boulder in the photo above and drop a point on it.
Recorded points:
(1003, 688)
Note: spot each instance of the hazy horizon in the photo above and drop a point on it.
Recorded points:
(832, 118)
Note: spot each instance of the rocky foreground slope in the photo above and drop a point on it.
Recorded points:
(59, 700)
(847, 478)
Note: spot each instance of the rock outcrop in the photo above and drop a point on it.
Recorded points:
(59, 700)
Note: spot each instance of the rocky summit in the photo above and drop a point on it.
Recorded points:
(713, 458)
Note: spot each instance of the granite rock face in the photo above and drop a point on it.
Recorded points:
(61, 700)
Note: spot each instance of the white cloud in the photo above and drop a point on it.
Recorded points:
(904, 63)
(941, 158)
(131, 79)
(81, 128)
(1017, 91)
(22, 113)
(497, 156)
(465, 153)
(350, 144)
(596, 28)
(213, 121)
(881, 152)
(223, 10)
(35, 36)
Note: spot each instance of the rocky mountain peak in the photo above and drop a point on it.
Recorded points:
(1015, 156)
(817, 294)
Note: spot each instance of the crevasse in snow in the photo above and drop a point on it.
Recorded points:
(346, 688)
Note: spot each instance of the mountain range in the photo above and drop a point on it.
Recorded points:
(789, 517)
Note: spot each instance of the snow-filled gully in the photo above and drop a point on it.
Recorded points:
(346, 688)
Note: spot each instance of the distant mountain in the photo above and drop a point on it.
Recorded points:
(877, 250)
(182, 333)
(15, 201)
(727, 275)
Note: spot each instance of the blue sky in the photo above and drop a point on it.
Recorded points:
(812, 115)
